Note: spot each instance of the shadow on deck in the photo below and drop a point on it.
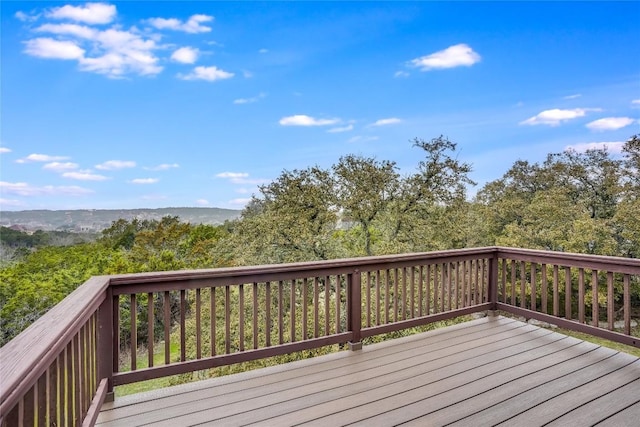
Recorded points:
(485, 372)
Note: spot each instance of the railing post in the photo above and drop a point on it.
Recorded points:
(493, 279)
(105, 343)
(355, 309)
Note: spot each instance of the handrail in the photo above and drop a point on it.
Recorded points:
(362, 263)
(597, 262)
(81, 333)
(26, 357)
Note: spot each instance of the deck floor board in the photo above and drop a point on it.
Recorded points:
(628, 417)
(484, 372)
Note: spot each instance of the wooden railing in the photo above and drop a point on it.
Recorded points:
(51, 374)
(121, 329)
(591, 294)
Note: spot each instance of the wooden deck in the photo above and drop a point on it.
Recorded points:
(491, 371)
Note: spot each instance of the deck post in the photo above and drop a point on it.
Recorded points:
(354, 318)
(105, 343)
(493, 280)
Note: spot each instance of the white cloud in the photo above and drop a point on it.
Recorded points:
(25, 17)
(360, 138)
(84, 175)
(163, 167)
(115, 65)
(112, 52)
(24, 189)
(5, 150)
(247, 74)
(263, 51)
(556, 116)
(185, 55)
(81, 31)
(116, 164)
(453, 56)
(635, 102)
(122, 52)
(249, 100)
(577, 95)
(232, 175)
(206, 73)
(165, 23)
(193, 25)
(241, 178)
(60, 167)
(400, 74)
(610, 123)
(202, 202)
(304, 120)
(41, 158)
(11, 202)
(341, 129)
(389, 121)
(144, 181)
(243, 191)
(612, 147)
(91, 13)
(45, 47)
(240, 201)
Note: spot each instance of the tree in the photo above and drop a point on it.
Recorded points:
(361, 206)
(433, 199)
(30, 287)
(503, 201)
(122, 233)
(570, 202)
(631, 150)
(293, 219)
(626, 217)
(592, 179)
(364, 190)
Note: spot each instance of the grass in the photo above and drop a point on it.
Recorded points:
(634, 351)
(141, 363)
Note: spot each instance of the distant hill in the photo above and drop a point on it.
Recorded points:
(95, 220)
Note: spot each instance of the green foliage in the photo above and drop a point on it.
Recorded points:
(15, 245)
(17, 238)
(361, 206)
(575, 202)
(29, 287)
(364, 189)
(293, 221)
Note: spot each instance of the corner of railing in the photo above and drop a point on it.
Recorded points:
(355, 309)
(105, 342)
(493, 278)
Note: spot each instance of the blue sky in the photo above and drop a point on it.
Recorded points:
(154, 104)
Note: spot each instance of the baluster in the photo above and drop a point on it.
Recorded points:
(198, 326)
(150, 329)
(212, 324)
(255, 315)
